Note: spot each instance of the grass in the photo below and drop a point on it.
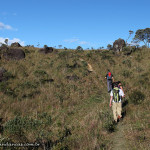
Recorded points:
(61, 113)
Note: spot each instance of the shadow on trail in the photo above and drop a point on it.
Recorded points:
(124, 104)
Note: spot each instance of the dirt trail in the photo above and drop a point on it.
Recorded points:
(119, 141)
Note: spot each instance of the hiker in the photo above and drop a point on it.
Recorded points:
(109, 78)
(120, 87)
(116, 95)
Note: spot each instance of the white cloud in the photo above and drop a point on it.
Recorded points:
(22, 43)
(71, 40)
(7, 27)
(83, 42)
(4, 26)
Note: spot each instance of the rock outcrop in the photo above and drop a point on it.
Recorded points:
(46, 50)
(118, 45)
(14, 54)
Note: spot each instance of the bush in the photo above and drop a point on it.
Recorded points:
(126, 73)
(136, 97)
(40, 73)
(127, 62)
(79, 48)
(18, 124)
(107, 122)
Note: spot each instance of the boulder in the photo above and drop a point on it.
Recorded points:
(46, 50)
(4, 47)
(118, 45)
(16, 44)
(14, 54)
(2, 71)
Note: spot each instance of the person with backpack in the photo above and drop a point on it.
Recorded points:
(120, 86)
(116, 95)
(110, 79)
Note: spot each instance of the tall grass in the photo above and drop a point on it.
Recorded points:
(69, 112)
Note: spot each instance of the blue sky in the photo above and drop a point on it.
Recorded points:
(70, 23)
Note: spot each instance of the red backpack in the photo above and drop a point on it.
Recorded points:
(109, 76)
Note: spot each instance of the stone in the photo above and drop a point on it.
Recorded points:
(118, 45)
(46, 50)
(16, 44)
(14, 54)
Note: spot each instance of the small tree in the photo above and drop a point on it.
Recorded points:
(59, 46)
(130, 33)
(45, 46)
(110, 47)
(6, 42)
(79, 48)
(65, 48)
(38, 44)
(143, 35)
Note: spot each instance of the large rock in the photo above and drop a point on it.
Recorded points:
(14, 54)
(118, 45)
(4, 47)
(46, 50)
(2, 71)
(16, 44)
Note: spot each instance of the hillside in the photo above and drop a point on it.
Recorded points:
(55, 100)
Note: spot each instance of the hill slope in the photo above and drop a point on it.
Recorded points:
(57, 101)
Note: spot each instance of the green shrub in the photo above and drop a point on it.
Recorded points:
(138, 58)
(89, 55)
(126, 73)
(40, 73)
(8, 75)
(127, 62)
(139, 69)
(4, 87)
(104, 56)
(19, 124)
(64, 54)
(136, 97)
(28, 85)
(107, 121)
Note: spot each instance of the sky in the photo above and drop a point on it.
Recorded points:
(71, 23)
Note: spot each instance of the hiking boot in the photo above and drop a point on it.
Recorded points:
(119, 118)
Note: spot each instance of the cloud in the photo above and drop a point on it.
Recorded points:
(3, 26)
(12, 41)
(83, 42)
(71, 40)
(7, 27)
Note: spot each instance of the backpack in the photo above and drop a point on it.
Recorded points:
(116, 96)
(109, 76)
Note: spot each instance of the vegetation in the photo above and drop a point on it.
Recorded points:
(143, 35)
(54, 100)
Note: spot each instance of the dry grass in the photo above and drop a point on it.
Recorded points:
(79, 105)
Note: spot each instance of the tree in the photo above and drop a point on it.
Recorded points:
(143, 35)
(109, 46)
(79, 48)
(38, 44)
(59, 46)
(45, 46)
(65, 48)
(6, 41)
(130, 33)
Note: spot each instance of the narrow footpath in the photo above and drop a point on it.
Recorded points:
(119, 141)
